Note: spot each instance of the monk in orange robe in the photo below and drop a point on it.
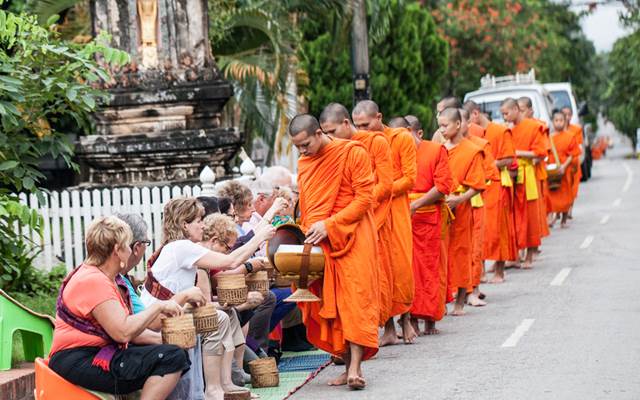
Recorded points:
(475, 297)
(577, 133)
(527, 138)
(565, 147)
(336, 194)
(499, 234)
(433, 182)
(466, 163)
(526, 108)
(335, 121)
(366, 116)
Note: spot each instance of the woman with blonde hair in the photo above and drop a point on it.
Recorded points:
(95, 324)
(173, 268)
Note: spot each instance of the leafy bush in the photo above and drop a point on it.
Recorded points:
(43, 81)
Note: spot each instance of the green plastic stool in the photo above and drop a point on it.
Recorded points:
(36, 330)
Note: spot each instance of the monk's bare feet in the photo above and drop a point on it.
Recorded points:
(415, 323)
(339, 381)
(430, 328)
(356, 382)
(513, 264)
(497, 279)
(389, 339)
(491, 268)
(409, 335)
(483, 279)
(475, 301)
(458, 311)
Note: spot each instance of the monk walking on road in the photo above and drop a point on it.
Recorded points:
(499, 238)
(433, 183)
(465, 161)
(527, 138)
(565, 149)
(474, 297)
(366, 116)
(336, 121)
(336, 193)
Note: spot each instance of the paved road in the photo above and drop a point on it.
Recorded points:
(583, 340)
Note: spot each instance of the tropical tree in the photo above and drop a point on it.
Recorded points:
(408, 63)
(623, 95)
(44, 82)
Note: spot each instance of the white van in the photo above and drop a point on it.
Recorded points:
(562, 95)
(493, 90)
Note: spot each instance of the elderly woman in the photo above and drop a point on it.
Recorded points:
(95, 324)
(220, 235)
(173, 268)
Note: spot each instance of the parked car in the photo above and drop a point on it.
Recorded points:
(563, 96)
(493, 90)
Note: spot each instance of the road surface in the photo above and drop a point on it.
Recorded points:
(568, 329)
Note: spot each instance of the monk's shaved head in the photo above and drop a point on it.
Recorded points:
(448, 102)
(303, 123)
(452, 114)
(366, 107)
(471, 106)
(335, 113)
(464, 113)
(398, 122)
(525, 101)
(414, 122)
(367, 116)
(510, 110)
(509, 102)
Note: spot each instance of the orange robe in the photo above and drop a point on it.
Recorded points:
(478, 211)
(336, 186)
(577, 171)
(403, 158)
(380, 153)
(566, 145)
(527, 136)
(430, 273)
(500, 235)
(476, 130)
(543, 186)
(466, 163)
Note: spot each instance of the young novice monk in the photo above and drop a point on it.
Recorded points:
(465, 161)
(566, 148)
(434, 181)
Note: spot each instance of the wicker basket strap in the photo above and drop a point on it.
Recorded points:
(304, 266)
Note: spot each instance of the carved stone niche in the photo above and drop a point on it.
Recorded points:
(162, 120)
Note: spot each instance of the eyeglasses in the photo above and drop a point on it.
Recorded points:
(146, 242)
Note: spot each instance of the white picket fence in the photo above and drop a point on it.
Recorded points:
(68, 213)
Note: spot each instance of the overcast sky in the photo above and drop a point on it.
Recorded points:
(603, 26)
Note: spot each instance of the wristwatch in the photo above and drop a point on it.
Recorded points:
(249, 267)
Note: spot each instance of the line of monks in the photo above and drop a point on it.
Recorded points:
(407, 224)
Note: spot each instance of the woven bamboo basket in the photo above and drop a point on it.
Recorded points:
(258, 282)
(264, 373)
(205, 319)
(232, 289)
(239, 395)
(179, 331)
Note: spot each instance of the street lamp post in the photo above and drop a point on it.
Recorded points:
(360, 52)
